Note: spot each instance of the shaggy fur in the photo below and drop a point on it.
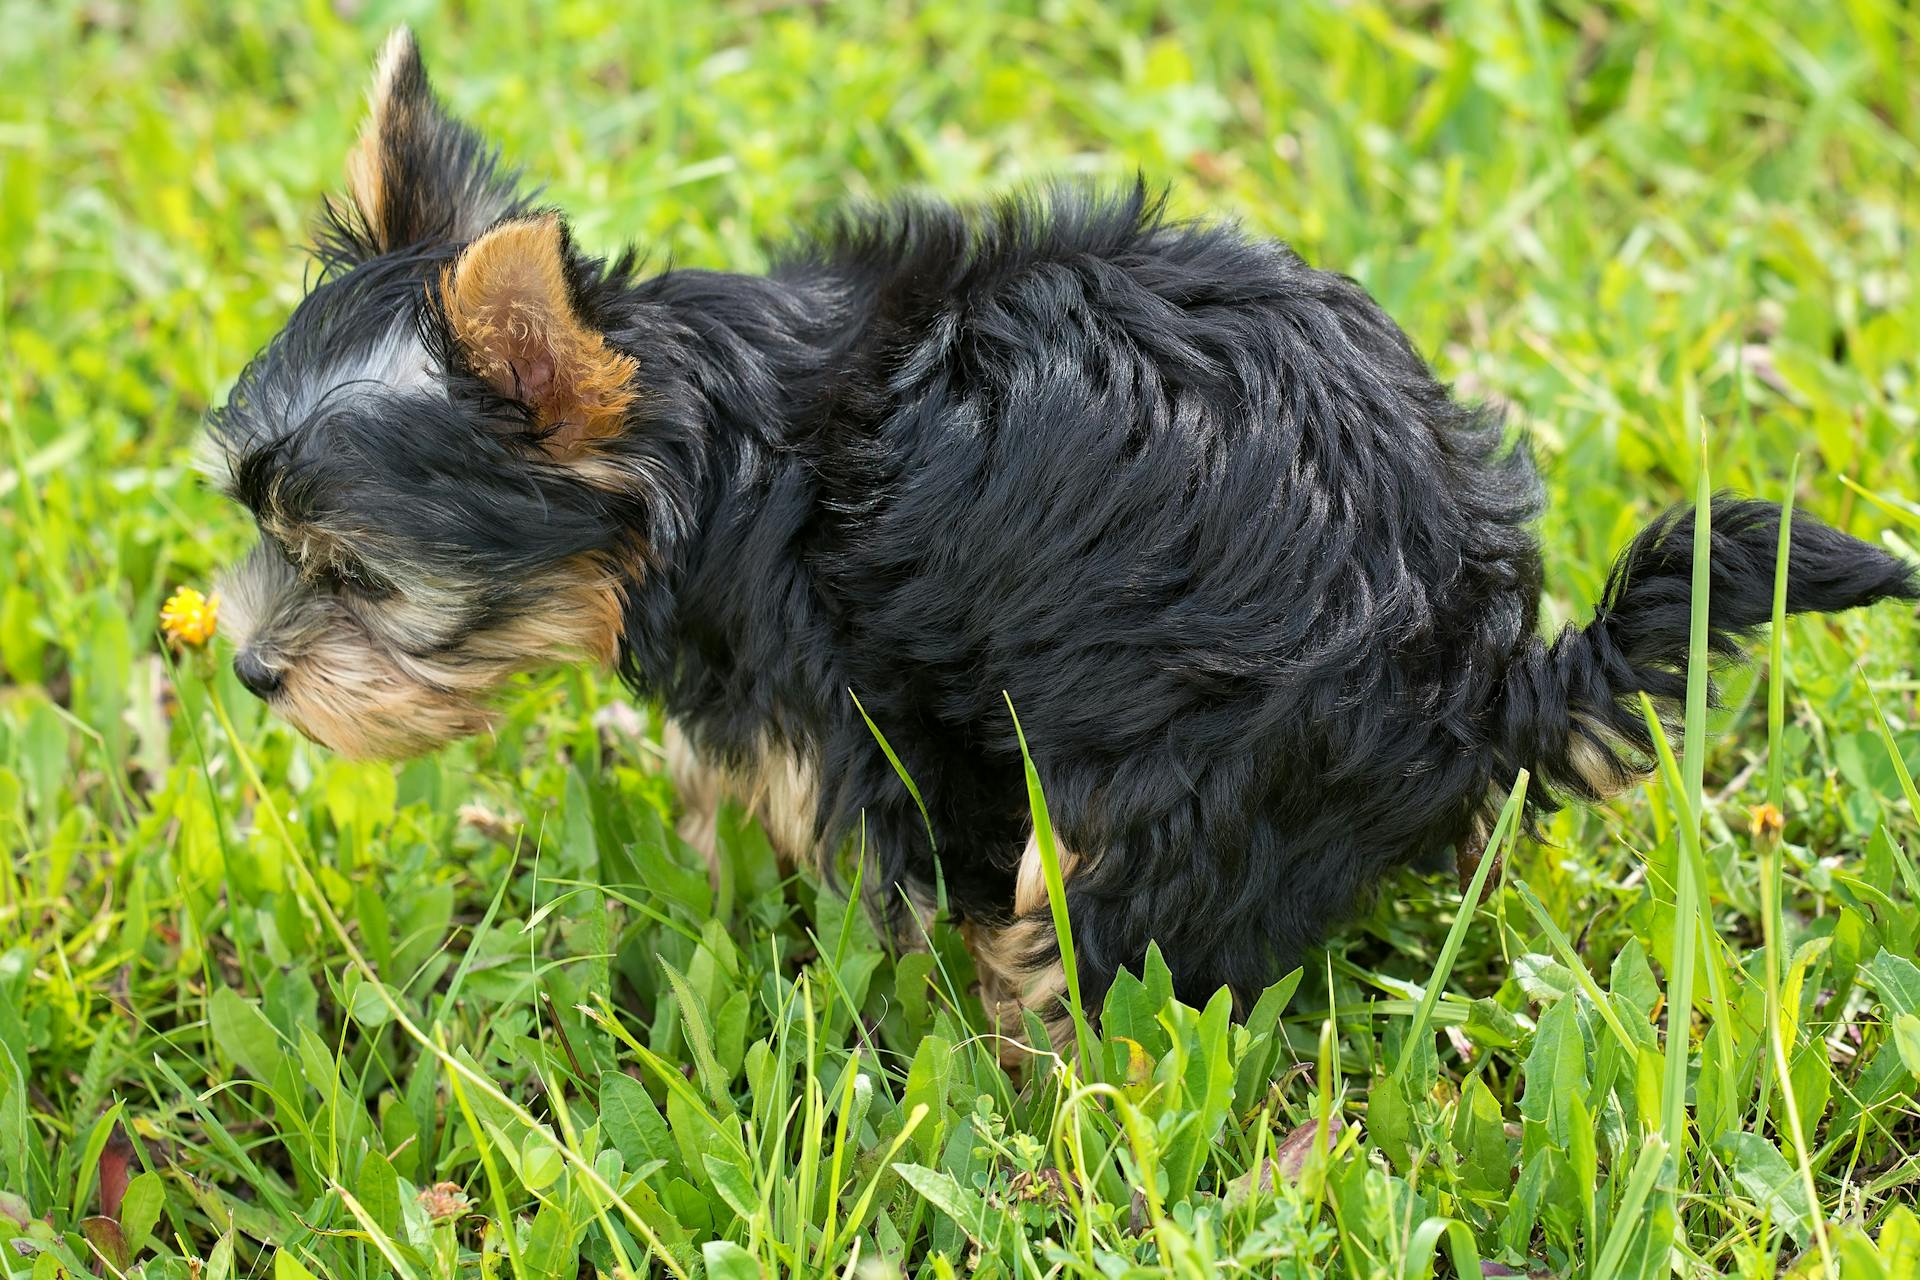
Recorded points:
(1263, 594)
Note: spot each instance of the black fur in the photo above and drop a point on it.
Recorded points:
(1263, 594)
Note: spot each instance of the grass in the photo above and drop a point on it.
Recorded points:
(257, 1004)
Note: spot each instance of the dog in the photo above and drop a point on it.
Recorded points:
(1263, 594)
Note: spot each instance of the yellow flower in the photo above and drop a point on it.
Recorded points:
(190, 618)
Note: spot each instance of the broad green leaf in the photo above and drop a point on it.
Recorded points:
(1543, 978)
(730, 1033)
(1584, 1156)
(1764, 1177)
(244, 1034)
(1897, 979)
(913, 976)
(1906, 1037)
(928, 1080)
(540, 1161)
(1129, 1012)
(963, 1205)
(733, 1186)
(728, 1261)
(220, 1261)
(1209, 1095)
(1492, 1024)
(1555, 1071)
(1529, 1189)
(551, 1250)
(378, 1189)
(1632, 978)
(140, 1209)
(1812, 1088)
(631, 1121)
(1480, 1138)
(369, 1006)
(288, 1267)
(359, 795)
(1900, 1243)
(1390, 1119)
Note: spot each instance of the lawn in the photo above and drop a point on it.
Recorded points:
(263, 1012)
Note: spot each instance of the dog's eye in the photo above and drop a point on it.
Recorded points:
(350, 575)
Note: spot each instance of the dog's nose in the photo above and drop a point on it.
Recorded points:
(261, 681)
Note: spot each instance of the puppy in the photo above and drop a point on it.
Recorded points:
(1263, 595)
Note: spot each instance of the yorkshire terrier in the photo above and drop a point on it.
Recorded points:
(1262, 593)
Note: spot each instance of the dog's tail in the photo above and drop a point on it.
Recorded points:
(1570, 711)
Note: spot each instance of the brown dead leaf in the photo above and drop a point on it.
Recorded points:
(1290, 1157)
(1287, 1161)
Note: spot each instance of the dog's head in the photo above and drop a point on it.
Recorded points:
(438, 448)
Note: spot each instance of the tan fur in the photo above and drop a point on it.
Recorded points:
(915, 933)
(309, 546)
(348, 682)
(346, 697)
(779, 788)
(405, 127)
(1011, 981)
(580, 618)
(1030, 879)
(782, 792)
(347, 692)
(507, 300)
(702, 789)
(1599, 769)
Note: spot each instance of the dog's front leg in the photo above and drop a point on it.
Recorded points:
(775, 784)
(702, 787)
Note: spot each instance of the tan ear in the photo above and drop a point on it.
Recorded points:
(509, 305)
(416, 173)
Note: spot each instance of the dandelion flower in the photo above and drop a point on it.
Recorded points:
(189, 618)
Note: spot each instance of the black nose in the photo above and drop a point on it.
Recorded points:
(260, 680)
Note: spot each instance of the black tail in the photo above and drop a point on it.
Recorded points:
(1571, 713)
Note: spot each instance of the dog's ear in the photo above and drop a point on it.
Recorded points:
(417, 174)
(510, 304)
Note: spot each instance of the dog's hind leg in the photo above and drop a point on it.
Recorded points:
(1215, 928)
(1018, 961)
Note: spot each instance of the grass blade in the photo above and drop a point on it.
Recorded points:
(1694, 740)
(1772, 921)
(1056, 890)
(906, 778)
(1626, 1223)
(1469, 905)
(1777, 651)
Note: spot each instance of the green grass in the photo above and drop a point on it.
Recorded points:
(284, 995)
